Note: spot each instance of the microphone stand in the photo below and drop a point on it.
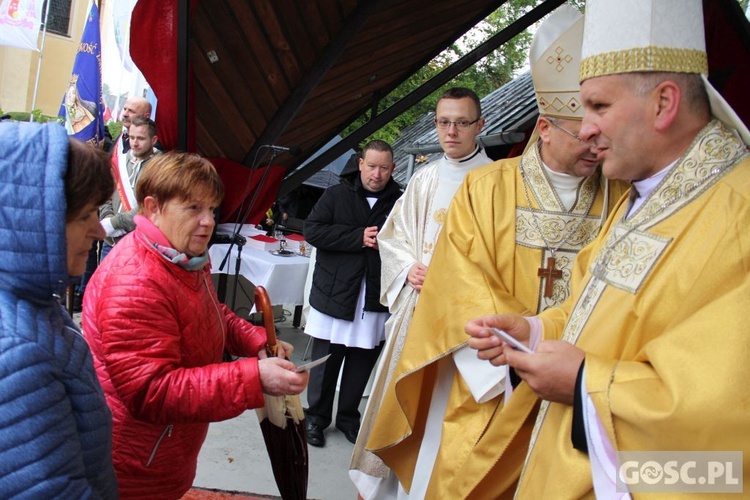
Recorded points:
(237, 238)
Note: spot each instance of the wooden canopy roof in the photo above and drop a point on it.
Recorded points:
(294, 73)
(232, 75)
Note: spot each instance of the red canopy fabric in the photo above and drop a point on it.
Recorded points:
(236, 176)
(728, 55)
(153, 48)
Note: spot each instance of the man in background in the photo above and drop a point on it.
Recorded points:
(346, 318)
(134, 106)
(117, 215)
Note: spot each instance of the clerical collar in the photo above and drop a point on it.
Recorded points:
(562, 180)
(565, 185)
(645, 187)
(466, 158)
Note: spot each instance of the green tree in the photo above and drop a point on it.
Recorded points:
(487, 75)
(114, 129)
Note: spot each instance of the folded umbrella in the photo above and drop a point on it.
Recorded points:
(282, 422)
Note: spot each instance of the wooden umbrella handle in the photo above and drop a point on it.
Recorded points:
(263, 306)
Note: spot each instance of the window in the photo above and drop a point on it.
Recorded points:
(58, 21)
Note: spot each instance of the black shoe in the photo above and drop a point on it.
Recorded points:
(349, 434)
(315, 435)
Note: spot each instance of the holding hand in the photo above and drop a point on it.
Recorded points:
(279, 378)
(488, 345)
(283, 349)
(370, 238)
(416, 276)
(551, 371)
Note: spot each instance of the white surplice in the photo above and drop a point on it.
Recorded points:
(407, 237)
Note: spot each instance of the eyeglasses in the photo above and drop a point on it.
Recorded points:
(571, 134)
(460, 124)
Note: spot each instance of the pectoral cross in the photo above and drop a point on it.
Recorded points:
(550, 274)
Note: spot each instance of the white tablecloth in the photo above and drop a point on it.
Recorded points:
(283, 277)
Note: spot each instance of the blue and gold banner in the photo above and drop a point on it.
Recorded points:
(82, 107)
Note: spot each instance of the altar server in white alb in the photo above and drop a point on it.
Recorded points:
(407, 242)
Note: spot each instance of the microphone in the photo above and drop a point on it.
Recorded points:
(292, 150)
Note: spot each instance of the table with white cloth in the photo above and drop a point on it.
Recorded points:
(282, 276)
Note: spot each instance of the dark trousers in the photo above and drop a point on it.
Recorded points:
(91, 263)
(106, 248)
(321, 390)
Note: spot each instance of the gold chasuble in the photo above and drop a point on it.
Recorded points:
(661, 309)
(487, 260)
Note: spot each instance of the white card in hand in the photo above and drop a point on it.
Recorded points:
(511, 341)
(312, 364)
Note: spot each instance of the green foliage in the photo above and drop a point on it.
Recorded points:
(23, 116)
(487, 75)
(578, 4)
(114, 129)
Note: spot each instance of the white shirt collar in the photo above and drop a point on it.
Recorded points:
(646, 186)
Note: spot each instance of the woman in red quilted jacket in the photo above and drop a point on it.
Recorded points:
(157, 332)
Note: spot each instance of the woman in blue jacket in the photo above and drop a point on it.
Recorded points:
(55, 427)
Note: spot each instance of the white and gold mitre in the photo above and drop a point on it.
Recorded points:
(643, 35)
(648, 36)
(554, 57)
